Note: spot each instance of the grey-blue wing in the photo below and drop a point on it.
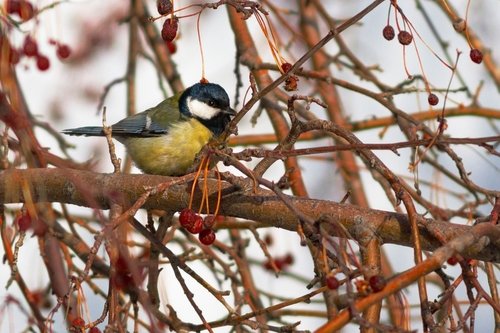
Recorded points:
(139, 125)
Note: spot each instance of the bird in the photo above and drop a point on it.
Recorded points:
(165, 139)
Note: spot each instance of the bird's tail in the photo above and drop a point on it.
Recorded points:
(87, 131)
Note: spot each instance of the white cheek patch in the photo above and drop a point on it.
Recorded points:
(200, 109)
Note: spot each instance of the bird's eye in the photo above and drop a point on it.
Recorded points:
(211, 102)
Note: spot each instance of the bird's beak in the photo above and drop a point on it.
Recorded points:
(230, 111)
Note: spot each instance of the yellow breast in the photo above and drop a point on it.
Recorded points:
(171, 154)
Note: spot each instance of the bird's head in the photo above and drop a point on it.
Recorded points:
(209, 104)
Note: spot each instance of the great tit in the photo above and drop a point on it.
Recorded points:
(165, 139)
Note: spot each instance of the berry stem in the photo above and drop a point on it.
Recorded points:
(219, 191)
(195, 180)
(466, 29)
(200, 44)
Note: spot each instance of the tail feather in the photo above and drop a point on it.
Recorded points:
(86, 131)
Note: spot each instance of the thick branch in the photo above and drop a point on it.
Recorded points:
(95, 190)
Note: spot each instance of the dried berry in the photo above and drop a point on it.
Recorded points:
(459, 25)
(362, 286)
(377, 283)
(291, 83)
(30, 47)
(476, 56)
(207, 236)
(94, 329)
(169, 30)
(209, 221)
(332, 282)
(432, 99)
(63, 51)
(286, 66)
(164, 7)
(42, 62)
(405, 37)
(388, 32)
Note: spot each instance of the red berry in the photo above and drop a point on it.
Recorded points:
(26, 12)
(268, 239)
(63, 51)
(405, 37)
(186, 217)
(13, 6)
(268, 265)
(433, 99)
(164, 7)
(278, 262)
(30, 47)
(94, 329)
(286, 67)
(23, 221)
(22, 8)
(207, 236)
(196, 226)
(377, 283)
(476, 56)
(42, 62)
(209, 221)
(452, 260)
(169, 30)
(332, 282)
(289, 259)
(78, 322)
(388, 32)
(172, 47)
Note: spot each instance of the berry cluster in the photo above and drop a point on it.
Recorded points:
(292, 80)
(30, 49)
(405, 38)
(281, 263)
(374, 284)
(25, 222)
(22, 8)
(170, 26)
(195, 224)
